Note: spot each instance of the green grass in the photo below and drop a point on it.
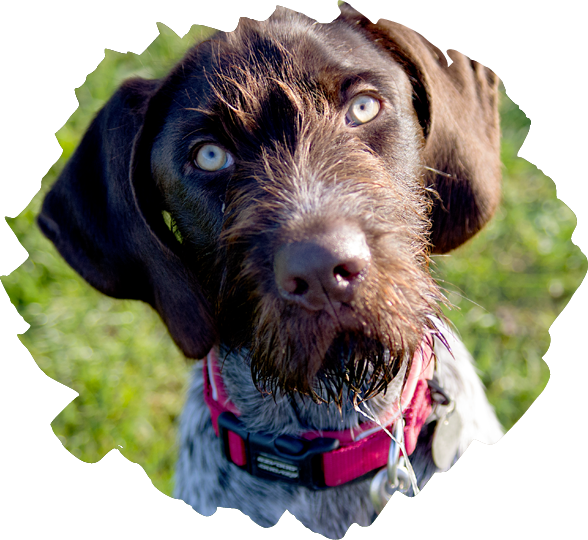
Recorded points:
(507, 285)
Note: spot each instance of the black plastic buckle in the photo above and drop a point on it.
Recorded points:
(286, 458)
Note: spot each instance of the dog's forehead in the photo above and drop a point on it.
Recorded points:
(307, 57)
(267, 84)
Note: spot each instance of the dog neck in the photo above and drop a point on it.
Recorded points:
(281, 414)
(349, 446)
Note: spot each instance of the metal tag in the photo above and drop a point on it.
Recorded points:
(446, 439)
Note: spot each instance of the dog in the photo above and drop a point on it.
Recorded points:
(276, 198)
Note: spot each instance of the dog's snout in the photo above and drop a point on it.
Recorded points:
(325, 269)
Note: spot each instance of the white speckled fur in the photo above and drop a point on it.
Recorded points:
(205, 480)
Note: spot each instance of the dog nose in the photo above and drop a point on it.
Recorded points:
(324, 269)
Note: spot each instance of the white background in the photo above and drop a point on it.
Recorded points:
(530, 484)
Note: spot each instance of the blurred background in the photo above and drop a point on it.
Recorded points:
(507, 286)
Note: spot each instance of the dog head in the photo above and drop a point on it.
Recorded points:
(281, 190)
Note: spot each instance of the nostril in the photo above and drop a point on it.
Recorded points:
(293, 285)
(301, 287)
(350, 270)
(341, 272)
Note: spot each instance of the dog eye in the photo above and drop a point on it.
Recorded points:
(211, 157)
(362, 110)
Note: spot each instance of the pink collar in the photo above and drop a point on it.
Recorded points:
(319, 458)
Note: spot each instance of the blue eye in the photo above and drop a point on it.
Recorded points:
(211, 157)
(362, 110)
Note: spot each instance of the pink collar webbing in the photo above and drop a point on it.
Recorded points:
(361, 449)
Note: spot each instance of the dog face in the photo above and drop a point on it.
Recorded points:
(295, 171)
(280, 191)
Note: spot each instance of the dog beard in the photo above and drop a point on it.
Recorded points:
(354, 367)
(331, 356)
(331, 359)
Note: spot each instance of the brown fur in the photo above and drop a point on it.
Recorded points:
(422, 177)
(212, 251)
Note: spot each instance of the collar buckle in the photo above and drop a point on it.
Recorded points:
(287, 458)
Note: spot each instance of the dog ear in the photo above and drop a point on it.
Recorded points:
(457, 108)
(92, 216)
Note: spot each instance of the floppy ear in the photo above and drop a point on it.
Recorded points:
(457, 107)
(92, 216)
